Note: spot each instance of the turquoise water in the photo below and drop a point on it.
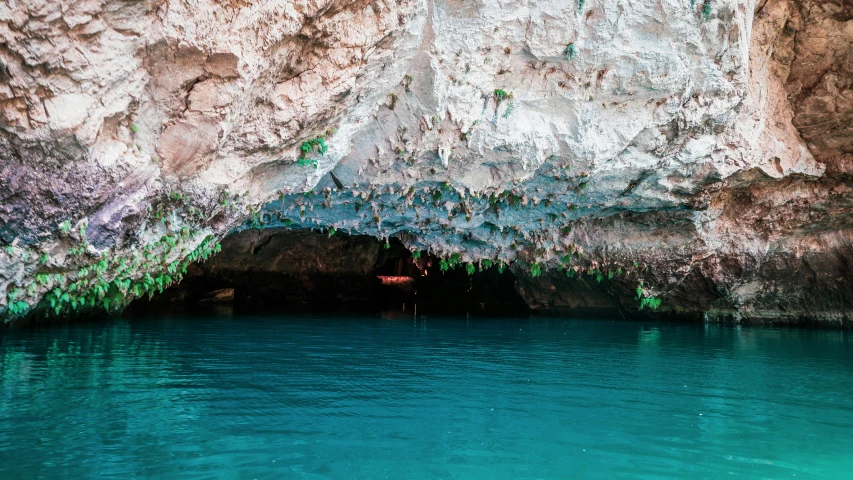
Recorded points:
(372, 398)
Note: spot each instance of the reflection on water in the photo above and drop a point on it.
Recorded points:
(331, 397)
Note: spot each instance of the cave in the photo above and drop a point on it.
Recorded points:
(287, 271)
(426, 239)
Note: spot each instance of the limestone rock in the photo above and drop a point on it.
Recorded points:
(673, 131)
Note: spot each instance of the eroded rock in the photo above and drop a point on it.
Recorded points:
(708, 137)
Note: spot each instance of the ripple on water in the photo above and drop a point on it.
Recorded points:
(332, 397)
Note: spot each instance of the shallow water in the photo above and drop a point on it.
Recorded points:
(372, 398)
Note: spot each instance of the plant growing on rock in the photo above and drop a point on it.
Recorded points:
(310, 146)
(14, 303)
(645, 299)
(706, 10)
(535, 269)
(509, 108)
(570, 52)
(447, 263)
(501, 95)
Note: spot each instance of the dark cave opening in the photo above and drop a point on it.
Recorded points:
(282, 270)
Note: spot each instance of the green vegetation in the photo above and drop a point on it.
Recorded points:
(318, 143)
(308, 147)
(255, 217)
(108, 284)
(393, 103)
(65, 226)
(570, 52)
(15, 305)
(134, 128)
(91, 288)
(706, 10)
(535, 269)
(645, 299)
(501, 95)
(416, 254)
(509, 108)
(452, 261)
(580, 5)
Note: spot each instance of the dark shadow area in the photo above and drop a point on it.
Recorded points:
(279, 270)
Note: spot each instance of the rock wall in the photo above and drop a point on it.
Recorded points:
(701, 147)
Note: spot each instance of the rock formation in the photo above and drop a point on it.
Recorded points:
(702, 147)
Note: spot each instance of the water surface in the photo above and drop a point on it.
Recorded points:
(371, 398)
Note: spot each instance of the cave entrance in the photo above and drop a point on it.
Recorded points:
(283, 270)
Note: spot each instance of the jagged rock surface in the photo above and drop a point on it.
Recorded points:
(714, 149)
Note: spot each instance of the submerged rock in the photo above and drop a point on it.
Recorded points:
(692, 153)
